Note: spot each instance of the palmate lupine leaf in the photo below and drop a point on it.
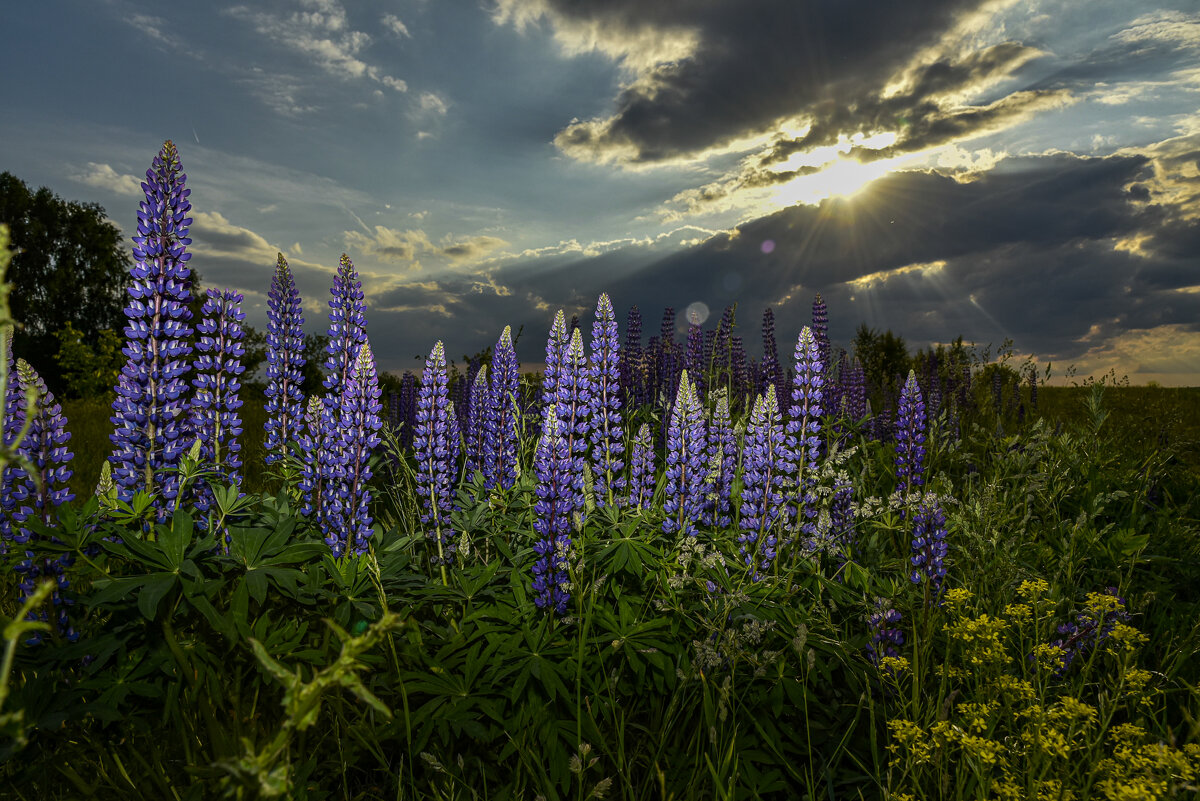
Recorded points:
(285, 361)
(148, 413)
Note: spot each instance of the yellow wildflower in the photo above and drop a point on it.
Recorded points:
(910, 737)
(1033, 590)
(1021, 613)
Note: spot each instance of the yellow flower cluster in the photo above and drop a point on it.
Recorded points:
(1138, 770)
(1125, 637)
(981, 638)
(911, 738)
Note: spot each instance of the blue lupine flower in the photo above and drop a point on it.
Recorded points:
(804, 427)
(633, 377)
(820, 327)
(311, 437)
(772, 370)
(693, 358)
(347, 329)
(668, 360)
(556, 489)
(556, 347)
(722, 463)
(687, 450)
(14, 421)
(479, 405)
(573, 407)
(910, 438)
(434, 451)
(740, 377)
(641, 485)
(929, 546)
(406, 412)
(607, 430)
(359, 424)
(285, 361)
(765, 469)
(44, 446)
(1090, 628)
(215, 419)
(841, 516)
(886, 638)
(504, 419)
(148, 412)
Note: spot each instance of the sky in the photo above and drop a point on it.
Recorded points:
(996, 170)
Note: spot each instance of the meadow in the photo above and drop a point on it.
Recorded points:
(656, 571)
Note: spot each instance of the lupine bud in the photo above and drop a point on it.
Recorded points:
(641, 486)
(910, 438)
(285, 361)
(148, 412)
(607, 432)
(686, 468)
(556, 489)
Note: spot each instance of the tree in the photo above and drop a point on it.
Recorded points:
(884, 358)
(88, 369)
(69, 269)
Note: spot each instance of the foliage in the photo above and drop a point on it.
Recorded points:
(88, 369)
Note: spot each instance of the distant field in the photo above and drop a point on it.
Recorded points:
(1169, 416)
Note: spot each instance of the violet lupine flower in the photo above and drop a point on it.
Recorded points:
(573, 405)
(687, 452)
(607, 431)
(215, 419)
(1090, 629)
(855, 392)
(557, 486)
(45, 448)
(820, 327)
(349, 499)
(740, 378)
(722, 463)
(641, 485)
(841, 516)
(556, 348)
(804, 426)
(148, 412)
(311, 437)
(929, 546)
(693, 357)
(722, 341)
(347, 330)
(285, 361)
(407, 411)
(668, 363)
(14, 421)
(1033, 389)
(434, 451)
(503, 420)
(910, 438)
(765, 469)
(772, 372)
(886, 637)
(632, 378)
(479, 404)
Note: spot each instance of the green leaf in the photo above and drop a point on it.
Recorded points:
(155, 586)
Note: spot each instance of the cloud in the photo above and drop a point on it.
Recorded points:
(105, 177)
(393, 24)
(406, 247)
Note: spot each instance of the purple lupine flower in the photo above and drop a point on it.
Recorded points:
(722, 344)
(772, 371)
(503, 420)
(215, 419)
(686, 469)
(997, 390)
(14, 421)
(557, 486)
(929, 546)
(841, 516)
(311, 437)
(740, 378)
(633, 377)
(573, 404)
(855, 392)
(285, 360)
(348, 522)
(556, 347)
(407, 412)
(1033, 389)
(668, 363)
(910, 438)
(479, 406)
(44, 446)
(721, 463)
(820, 328)
(607, 431)
(347, 330)
(1090, 628)
(886, 637)
(693, 358)
(804, 426)
(765, 469)
(148, 412)
(641, 485)
(435, 470)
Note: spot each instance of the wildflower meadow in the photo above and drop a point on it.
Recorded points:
(655, 569)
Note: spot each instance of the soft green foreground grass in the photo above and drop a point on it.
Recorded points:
(275, 671)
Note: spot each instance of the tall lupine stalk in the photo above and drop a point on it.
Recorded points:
(820, 327)
(607, 430)
(693, 358)
(17, 402)
(1033, 389)
(687, 469)
(668, 363)
(910, 438)
(573, 407)
(722, 358)
(148, 412)
(310, 438)
(407, 411)
(765, 469)
(435, 470)
(215, 419)
(722, 463)
(929, 548)
(285, 361)
(855, 392)
(556, 349)
(772, 371)
(479, 405)
(641, 478)
(804, 427)
(741, 375)
(36, 496)
(558, 485)
(504, 417)
(632, 372)
(348, 501)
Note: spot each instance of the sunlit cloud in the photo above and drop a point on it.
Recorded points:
(103, 176)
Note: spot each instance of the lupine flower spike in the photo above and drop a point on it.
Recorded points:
(686, 462)
(359, 424)
(148, 439)
(554, 507)
(804, 427)
(641, 485)
(929, 548)
(765, 477)
(435, 471)
(556, 346)
(503, 422)
(910, 438)
(574, 401)
(285, 360)
(607, 431)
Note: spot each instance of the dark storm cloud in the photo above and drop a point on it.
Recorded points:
(751, 65)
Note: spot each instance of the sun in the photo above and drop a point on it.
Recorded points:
(840, 178)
